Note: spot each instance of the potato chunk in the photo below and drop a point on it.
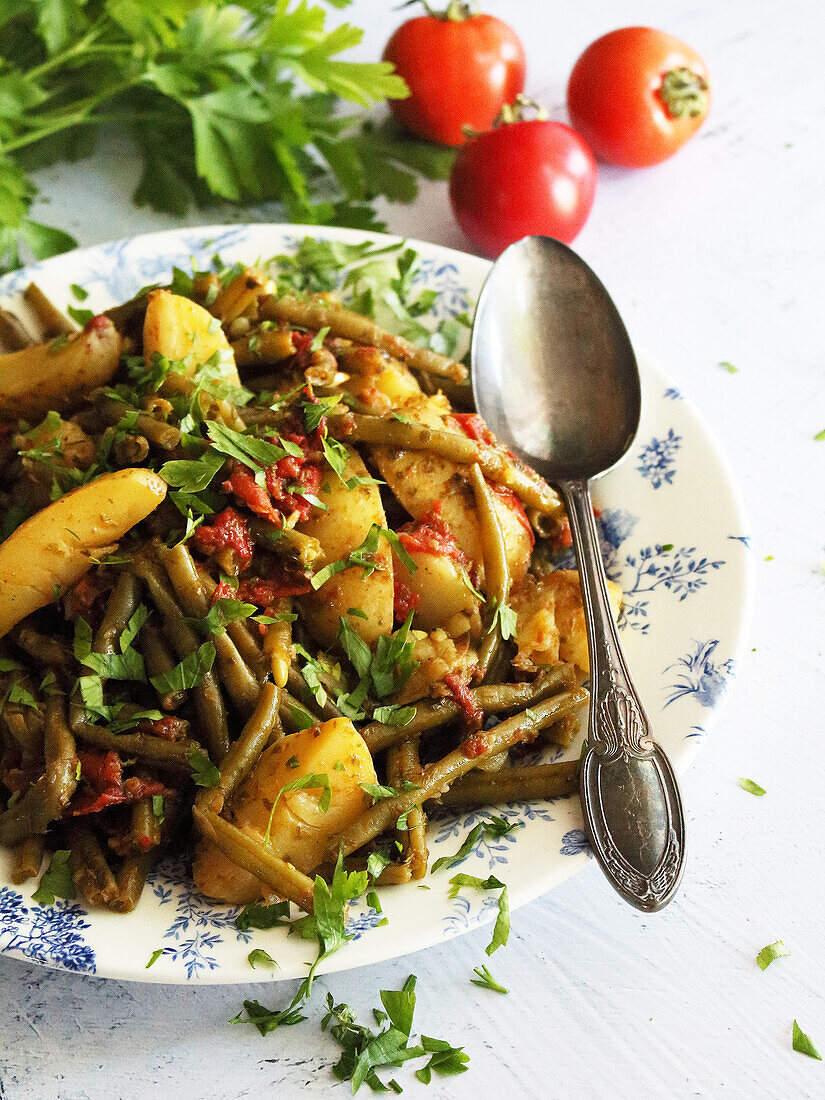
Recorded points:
(439, 584)
(55, 547)
(551, 624)
(57, 374)
(420, 479)
(300, 830)
(180, 329)
(344, 526)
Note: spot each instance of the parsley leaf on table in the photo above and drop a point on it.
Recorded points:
(235, 102)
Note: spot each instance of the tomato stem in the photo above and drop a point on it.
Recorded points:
(517, 111)
(684, 93)
(455, 12)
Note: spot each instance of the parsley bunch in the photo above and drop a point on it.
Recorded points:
(223, 101)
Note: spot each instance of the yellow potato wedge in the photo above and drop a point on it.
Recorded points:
(441, 586)
(346, 523)
(300, 830)
(57, 374)
(420, 478)
(56, 546)
(180, 329)
(551, 625)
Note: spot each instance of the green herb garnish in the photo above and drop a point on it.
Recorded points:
(56, 881)
(259, 957)
(751, 787)
(802, 1043)
(486, 980)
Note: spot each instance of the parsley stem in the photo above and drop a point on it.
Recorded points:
(77, 118)
(57, 59)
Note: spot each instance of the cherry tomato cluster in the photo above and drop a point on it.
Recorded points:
(634, 97)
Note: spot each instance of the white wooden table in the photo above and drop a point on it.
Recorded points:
(716, 255)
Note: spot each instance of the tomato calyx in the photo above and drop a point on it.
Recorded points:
(455, 12)
(511, 113)
(684, 93)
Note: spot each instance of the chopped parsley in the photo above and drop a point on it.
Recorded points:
(486, 980)
(729, 367)
(803, 1044)
(493, 829)
(153, 958)
(193, 475)
(259, 915)
(259, 957)
(363, 557)
(56, 881)
(204, 772)
(313, 781)
(501, 931)
(188, 673)
(773, 951)
(504, 618)
(751, 787)
(394, 715)
(223, 612)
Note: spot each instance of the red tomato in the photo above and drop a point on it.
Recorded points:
(461, 70)
(636, 95)
(521, 178)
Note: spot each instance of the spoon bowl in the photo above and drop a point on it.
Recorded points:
(553, 366)
(555, 377)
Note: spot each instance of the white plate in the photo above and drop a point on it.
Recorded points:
(685, 618)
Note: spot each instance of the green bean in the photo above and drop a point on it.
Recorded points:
(315, 313)
(26, 729)
(123, 603)
(131, 450)
(497, 464)
(303, 550)
(388, 432)
(45, 801)
(263, 346)
(241, 632)
(52, 322)
(163, 435)
(491, 698)
(131, 878)
(562, 732)
(238, 679)
(156, 751)
(278, 642)
(144, 828)
(26, 859)
(403, 764)
(42, 648)
(159, 661)
(262, 728)
(207, 697)
(237, 296)
(250, 855)
(437, 777)
(514, 785)
(496, 571)
(91, 873)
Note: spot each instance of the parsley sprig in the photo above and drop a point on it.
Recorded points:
(226, 101)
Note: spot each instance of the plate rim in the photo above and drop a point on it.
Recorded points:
(524, 891)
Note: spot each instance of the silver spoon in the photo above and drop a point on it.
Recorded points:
(555, 377)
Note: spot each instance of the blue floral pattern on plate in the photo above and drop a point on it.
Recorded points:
(683, 576)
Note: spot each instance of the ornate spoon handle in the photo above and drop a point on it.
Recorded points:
(630, 798)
